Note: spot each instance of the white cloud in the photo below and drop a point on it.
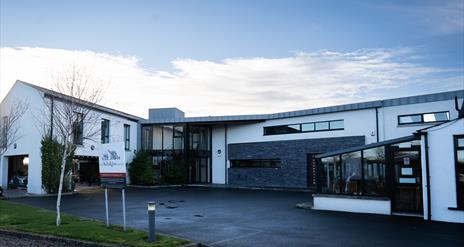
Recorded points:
(238, 85)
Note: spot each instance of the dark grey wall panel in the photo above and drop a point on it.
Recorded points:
(293, 154)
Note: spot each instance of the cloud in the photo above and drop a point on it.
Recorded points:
(237, 85)
(439, 17)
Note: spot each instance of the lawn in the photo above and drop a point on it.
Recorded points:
(20, 217)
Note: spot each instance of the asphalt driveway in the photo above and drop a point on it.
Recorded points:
(234, 217)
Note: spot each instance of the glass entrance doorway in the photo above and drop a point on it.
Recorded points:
(407, 186)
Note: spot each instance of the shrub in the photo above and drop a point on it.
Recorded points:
(140, 169)
(174, 171)
(52, 152)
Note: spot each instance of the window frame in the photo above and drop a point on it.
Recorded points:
(78, 122)
(459, 201)
(422, 118)
(278, 161)
(306, 131)
(105, 135)
(126, 136)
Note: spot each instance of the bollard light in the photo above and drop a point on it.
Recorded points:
(151, 221)
(151, 206)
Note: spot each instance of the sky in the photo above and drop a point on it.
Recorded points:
(237, 57)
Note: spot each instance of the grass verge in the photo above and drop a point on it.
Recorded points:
(14, 216)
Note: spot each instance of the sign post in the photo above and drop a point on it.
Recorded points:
(112, 165)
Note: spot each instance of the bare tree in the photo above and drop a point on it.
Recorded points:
(72, 115)
(9, 124)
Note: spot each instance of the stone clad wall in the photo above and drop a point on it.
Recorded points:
(293, 155)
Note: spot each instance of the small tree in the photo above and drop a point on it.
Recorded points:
(52, 152)
(71, 116)
(9, 124)
(140, 169)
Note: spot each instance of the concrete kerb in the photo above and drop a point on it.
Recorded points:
(6, 197)
(220, 186)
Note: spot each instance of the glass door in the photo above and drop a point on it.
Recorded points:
(407, 189)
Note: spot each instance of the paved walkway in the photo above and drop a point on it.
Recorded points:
(236, 217)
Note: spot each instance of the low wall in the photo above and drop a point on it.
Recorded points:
(353, 204)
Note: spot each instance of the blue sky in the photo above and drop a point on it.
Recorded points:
(426, 34)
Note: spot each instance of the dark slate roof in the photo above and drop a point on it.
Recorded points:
(96, 107)
(314, 111)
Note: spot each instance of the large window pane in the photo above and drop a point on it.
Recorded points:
(434, 117)
(322, 126)
(307, 127)
(167, 137)
(282, 129)
(336, 125)
(330, 175)
(410, 119)
(374, 171)
(351, 171)
(460, 171)
(157, 138)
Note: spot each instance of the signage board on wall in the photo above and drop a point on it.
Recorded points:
(112, 165)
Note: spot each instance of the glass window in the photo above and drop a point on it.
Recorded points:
(336, 125)
(105, 131)
(351, 172)
(157, 138)
(282, 129)
(168, 137)
(424, 118)
(459, 163)
(307, 127)
(78, 128)
(178, 137)
(147, 138)
(434, 117)
(263, 163)
(410, 119)
(127, 136)
(374, 171)
(330, 175)
(322, 126)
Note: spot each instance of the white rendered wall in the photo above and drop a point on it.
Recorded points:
(352, 205)
(389, 117)
(442, 171)
(31, 130)
(356, 123)
(218, 160)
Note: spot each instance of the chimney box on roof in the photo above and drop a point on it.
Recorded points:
(165, 113)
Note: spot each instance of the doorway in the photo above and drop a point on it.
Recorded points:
(407, 184)
(18, 171)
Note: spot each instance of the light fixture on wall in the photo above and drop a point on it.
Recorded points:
(26, 161)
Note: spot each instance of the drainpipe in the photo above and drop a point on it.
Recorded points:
(427, 173)
(225, 155)
(51, 116)
(377, 123)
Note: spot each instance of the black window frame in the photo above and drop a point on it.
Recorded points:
(126, 136)
(422, 118)
(78, 128)
(234, 163)
(459, 200)
(300, 129)
(105, 133)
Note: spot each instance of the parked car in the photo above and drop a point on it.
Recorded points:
(18, 182)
